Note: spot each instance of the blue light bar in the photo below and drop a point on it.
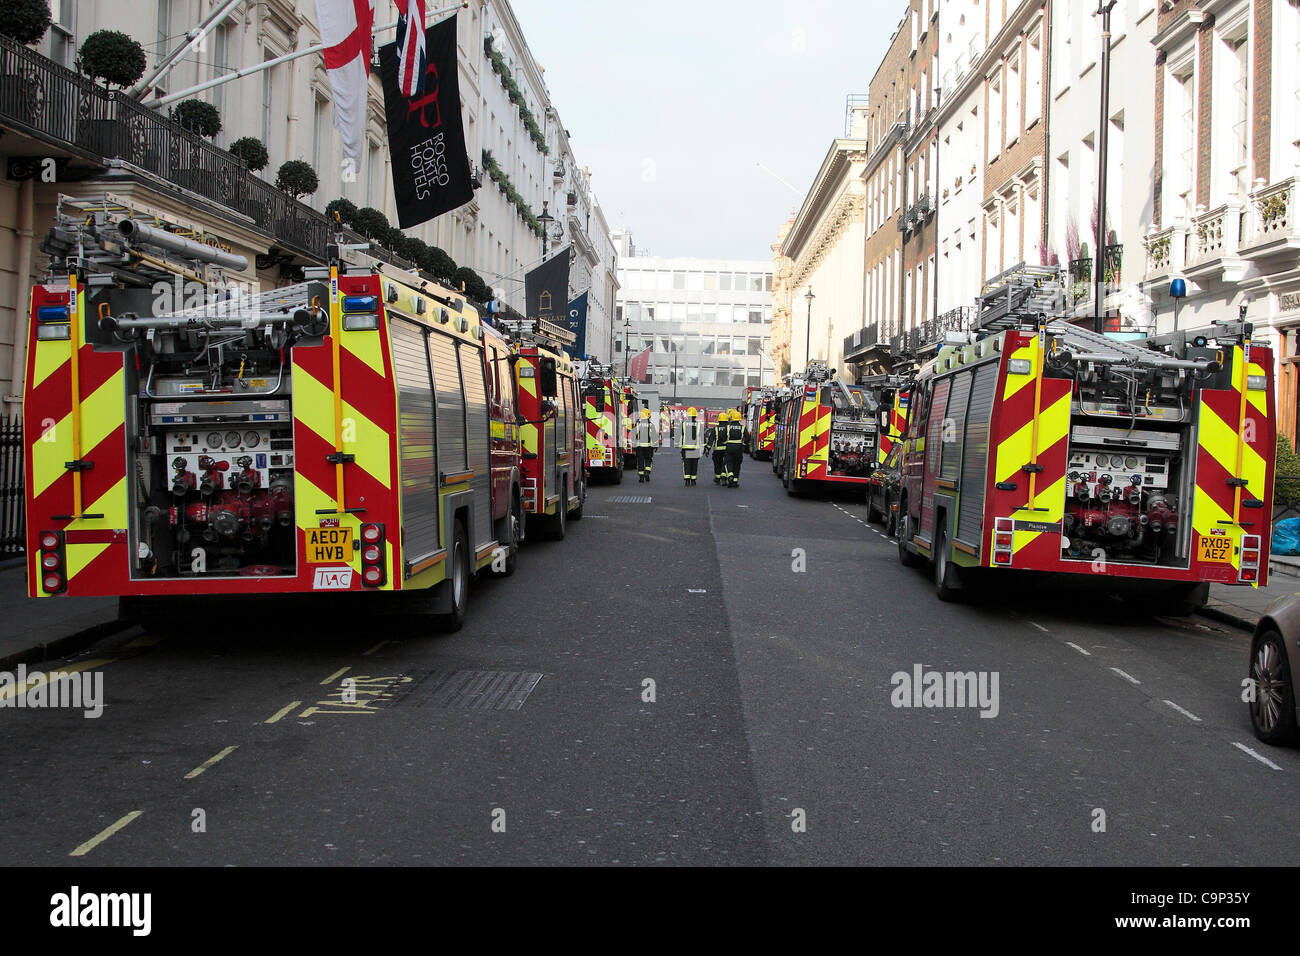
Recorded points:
(52, 313)
(360, 303)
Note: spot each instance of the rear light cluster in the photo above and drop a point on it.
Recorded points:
(1004, 536)
(374, 568)
(53, 563)
(1249, 570)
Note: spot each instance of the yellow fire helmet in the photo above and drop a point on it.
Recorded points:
(691, 412)
(645, 413)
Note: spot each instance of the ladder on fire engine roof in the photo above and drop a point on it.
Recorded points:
(273, 303)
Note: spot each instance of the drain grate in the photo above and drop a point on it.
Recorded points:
(479, 690)
(631, 499)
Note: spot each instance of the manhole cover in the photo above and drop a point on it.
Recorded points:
(477, 690)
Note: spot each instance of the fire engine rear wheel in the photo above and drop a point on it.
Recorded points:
(1181, 600)
(905, 557)
(1272, 712)
(792, 487)
(946, 585)
(558, 521)
(514, 533)
(576, 513)
(458, 571)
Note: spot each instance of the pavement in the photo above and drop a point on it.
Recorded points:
(40, 630)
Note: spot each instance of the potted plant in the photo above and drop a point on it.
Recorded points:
(25, 22)
(297, 178)
(253, 152)
(118, 60)
(198, 117)
(341, 210)
(370, 222)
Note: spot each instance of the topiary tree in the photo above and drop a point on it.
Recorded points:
(474, 285)
(24, 20)
(297, 178)
(111, 56)
(370, 222)
(347, 211)
(412, 249)
(252, 151)
(1286, 476)
(392, 237)
(440, 265)
(199, 117)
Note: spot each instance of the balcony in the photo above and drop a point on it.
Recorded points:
(50, 103)
(860, 342)
(1213, 243)
(1270, 223)
(1080, 279)
(1166, 252)
(1083, 278)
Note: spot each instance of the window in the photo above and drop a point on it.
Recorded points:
(710, 281)
(1013, 98)
(319, 129)
(1034, 77)
(725, 313)
(164, 27)
(756, 283)
(1011, 233)
(992, 244)
(995, 116)
(724, 281)
(220, 47)
(756, 316)
(679, 280)
(1232, 72)
(724, 345)
(678, 311)
(1179, 143)
(708, 376)
(738, 378)
(266, 100)
(695, 281)
(706, 345)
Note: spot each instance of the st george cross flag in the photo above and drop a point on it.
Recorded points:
(410, 46)
(345, 29)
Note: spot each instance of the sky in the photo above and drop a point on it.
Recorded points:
(672, 105)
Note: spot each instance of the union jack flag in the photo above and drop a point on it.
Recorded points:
(410, 44)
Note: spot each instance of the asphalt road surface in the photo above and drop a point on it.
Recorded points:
(694, 676)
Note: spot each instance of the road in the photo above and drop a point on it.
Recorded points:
(694, 676)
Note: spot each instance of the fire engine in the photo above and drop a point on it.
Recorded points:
(553, 427)
(627, 407)
(354, 432)
(603, 405)
(1042, 446)
(760, 419)
(828, 431)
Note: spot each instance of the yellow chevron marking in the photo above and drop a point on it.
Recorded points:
(80, 555)
(530, 438)
(313, 403)
(1016, 382)
(1220, 440)
(102, 412)
(112, 504)
(528, 385)
(368, 347)
(1207, 515)
(50, 357)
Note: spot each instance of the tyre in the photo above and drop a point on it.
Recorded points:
(1272, 712)
(458, 572)
(559, 521)
(1182, 600)
(945, 572)
(514, 528)
(905, 557)
(576, 513)
(891, 518)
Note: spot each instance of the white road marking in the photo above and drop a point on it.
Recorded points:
(1128, 677)
(1078, 648)
(697, 591)
(1041, 628)
(1186, 713)
(1262, 759)
(104, 834)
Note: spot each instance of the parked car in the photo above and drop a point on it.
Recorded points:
(1274, 659)
(882, 491)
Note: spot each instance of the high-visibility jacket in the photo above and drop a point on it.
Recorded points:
(644, 433)
(735, 434)
(691, 435)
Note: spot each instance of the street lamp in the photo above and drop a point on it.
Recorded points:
(807, 341)
(1103, 9)
(545, 220)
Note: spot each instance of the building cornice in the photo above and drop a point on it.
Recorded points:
(831, 181)
(1179, 32)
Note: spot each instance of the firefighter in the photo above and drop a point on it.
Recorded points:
(644, 436)
(691, 439)
(717, 447)
(734, 448)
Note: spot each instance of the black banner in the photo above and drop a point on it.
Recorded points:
(426, 139)
(546, 290)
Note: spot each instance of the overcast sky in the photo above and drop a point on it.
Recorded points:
(672, 104)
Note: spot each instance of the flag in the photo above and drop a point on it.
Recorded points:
(546, 287)
(426, 137)
(345, 30)
(410, 43)
(578, 326)
(639, 366)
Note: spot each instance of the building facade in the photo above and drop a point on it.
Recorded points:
(706, 321)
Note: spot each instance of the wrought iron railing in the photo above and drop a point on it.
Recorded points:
(51, 101)
(12, 535)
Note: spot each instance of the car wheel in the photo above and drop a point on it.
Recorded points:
(1272, 712)
(906, 557)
